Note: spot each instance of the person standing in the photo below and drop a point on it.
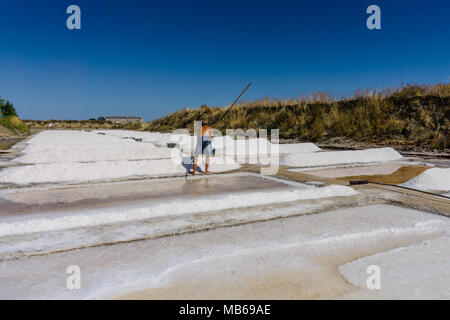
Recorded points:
(203, 147)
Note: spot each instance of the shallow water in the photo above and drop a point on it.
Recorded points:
(338, 172)
(402, 175)
(394, 173)
(116, 194)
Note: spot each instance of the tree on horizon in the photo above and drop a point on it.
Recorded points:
(7, 108)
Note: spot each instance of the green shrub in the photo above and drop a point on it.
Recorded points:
(7, 109)
(14, 124)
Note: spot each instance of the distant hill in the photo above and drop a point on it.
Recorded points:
(83, 125)
(409, 118)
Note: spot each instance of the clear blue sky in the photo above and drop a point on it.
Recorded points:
(150, 58)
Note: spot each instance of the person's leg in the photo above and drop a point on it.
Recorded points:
(207, 164)
(198, 151)
(194, 166)
(207, 152)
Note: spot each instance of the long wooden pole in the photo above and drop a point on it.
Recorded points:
(223, 116)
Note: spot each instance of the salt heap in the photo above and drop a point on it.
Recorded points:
(432, 179)
(314, 159)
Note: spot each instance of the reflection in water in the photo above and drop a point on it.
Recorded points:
(200, 187)
(402, 175)
(114, 194)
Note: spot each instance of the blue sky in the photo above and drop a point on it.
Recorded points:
(150, 58)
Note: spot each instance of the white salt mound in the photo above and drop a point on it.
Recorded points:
(412, 272)
(139, 151)
(245, 147)
(103, 170)
(83, 172)
(164, 139)
(315, 159)
(145, 136)
(431, 179)
(176, 207)
(79, 156)
(222, 142)
(79, 146)
(298, 147)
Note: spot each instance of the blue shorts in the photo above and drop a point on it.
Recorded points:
(203, 146)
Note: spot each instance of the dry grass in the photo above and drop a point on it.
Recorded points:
(413, 115)
(14, 124)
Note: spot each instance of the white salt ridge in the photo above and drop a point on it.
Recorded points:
(179, 207)
(298, 148)
(247, 147)
(78, 146)
(66, 239)
(123, 268)
(340, 157)
(102, 170)
(78, 156)
(88, 154)
(166, 138)
(414, 272)
(144, 135)
(70, 139)
(241, 147)
(432, 179)
(223, 144)
(158, 139)
(212, 267)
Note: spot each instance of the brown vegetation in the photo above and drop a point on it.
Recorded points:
(412, 116)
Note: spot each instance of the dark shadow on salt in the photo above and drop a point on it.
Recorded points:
(188, 164)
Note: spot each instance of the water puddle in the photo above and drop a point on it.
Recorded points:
(117, 194)
(401, 175)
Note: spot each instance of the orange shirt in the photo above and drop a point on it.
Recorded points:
(206, 130)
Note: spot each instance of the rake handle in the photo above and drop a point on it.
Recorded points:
(223, 116)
